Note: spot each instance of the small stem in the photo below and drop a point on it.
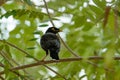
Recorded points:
(68, 48)
(48, 13)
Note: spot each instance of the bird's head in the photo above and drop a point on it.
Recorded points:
(53, 30)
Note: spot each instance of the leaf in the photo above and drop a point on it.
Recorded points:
(55, 18)
(34, 39)
(28, 2)
(95, 9)
(24, 12)
(99, 3)
(37, 32)
(79, 20)
(30, 48)
(7, 49)
(1, 47)
(87, 26)
(43, 25)
(7, 67)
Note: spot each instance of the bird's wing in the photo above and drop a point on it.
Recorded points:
(50, 41)
(54, 43)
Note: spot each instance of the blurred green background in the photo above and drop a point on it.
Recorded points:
(90, 28)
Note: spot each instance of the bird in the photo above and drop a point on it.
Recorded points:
(50, 43)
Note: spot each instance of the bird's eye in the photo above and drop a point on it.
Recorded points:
(53, 29)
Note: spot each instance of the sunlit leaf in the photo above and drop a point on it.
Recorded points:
(22, 12)
(34, 39)
(43, 25)
(37, 32)
(100, 4)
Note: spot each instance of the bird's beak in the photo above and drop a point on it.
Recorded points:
(60, 31)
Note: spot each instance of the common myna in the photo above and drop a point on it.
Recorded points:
(51, 43)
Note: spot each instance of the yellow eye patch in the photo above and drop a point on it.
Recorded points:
(53, 29)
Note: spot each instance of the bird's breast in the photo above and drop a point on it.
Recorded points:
(49, 41)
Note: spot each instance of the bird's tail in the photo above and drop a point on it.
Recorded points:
(54, 55)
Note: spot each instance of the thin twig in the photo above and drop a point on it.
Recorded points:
(95, 65)
(48, 13)
(68, 48)
(116, 23)
(55, 72)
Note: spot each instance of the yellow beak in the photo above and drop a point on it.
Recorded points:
(60, 30)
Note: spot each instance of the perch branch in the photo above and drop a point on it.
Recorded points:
(56, 61)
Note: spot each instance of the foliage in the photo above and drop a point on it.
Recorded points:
(90, 28)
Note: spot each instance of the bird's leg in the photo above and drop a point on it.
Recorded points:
(45, 56)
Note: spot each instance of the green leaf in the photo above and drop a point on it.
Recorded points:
(24, 12)
(95, 9)
(100, 3)
(79, 20)
(34, 39)
(28, 2)
(1, 47)
(88, 26)
(43, 25)
(37, 32)
(83, 32)
(7, 67)
(55, 19)
(7, 49)
(30, 48)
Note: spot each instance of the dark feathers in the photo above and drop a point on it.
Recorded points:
(51, 43)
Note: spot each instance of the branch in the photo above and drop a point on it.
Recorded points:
(48, 13)
(116, 25)
(68, 48)
(56, 61)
